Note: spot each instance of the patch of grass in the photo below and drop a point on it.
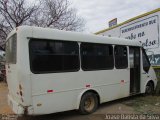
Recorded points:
(145, 104)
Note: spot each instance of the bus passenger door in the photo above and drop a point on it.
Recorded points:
(134, 56)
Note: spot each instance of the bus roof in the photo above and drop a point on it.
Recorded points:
(50, 33)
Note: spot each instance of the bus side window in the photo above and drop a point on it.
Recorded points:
(146, 63)
(96, 56)
(49, 56)
(121, 59)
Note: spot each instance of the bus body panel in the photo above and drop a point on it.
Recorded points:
(24, 68)
(146, 77)
(151, 76)
(19, 74)
(12, 81)
(68, 86)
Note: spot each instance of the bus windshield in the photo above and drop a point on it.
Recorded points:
(146, 63)
(11, 48)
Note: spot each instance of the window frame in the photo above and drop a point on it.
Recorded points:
(51, 40)
(146, 57)
(97, 69)
(125, 67)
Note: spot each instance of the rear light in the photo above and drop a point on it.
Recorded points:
(21, 93)
(20, 86)
(22, 100)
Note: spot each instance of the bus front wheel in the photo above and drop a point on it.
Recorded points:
(149, 88)
(89, 103)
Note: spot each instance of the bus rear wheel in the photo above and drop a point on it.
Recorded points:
(149, 88)
(89, 103)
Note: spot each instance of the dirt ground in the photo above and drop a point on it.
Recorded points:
(140, 104)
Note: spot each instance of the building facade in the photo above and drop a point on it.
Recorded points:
(144, 28)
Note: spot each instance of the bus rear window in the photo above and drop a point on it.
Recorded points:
(11, 49)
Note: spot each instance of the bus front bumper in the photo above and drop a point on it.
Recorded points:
(17, 108)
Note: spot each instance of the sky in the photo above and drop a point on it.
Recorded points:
(97, 13)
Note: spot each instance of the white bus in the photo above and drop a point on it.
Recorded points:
(50, 71)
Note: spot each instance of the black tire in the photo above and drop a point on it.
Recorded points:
(149, 88)
(88, 104)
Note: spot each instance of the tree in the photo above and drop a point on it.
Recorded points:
(57, 14)
(45, 13)
(13, 13)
